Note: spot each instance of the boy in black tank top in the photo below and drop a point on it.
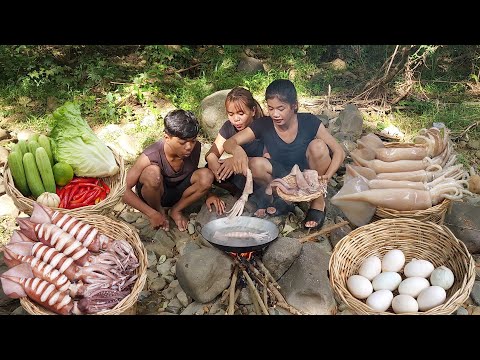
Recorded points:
(291, 138)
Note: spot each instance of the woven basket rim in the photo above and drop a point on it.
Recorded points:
(290, 179)
(434, 210)
(383, 235)
(117, 184)
(104, 222)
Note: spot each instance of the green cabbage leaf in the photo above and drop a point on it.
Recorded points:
(75, 143)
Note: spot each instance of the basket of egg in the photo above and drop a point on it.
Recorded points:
(402, 266)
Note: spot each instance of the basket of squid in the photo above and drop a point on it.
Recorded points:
(116, 184)
(425, 241)
(83, 264)
(402, 180)
(299, 186)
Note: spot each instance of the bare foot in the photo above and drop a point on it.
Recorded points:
(179, 219)
(271, 210)
(260, 213)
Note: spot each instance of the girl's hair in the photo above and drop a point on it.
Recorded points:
(182, 124)
(284, 90)
(241, 96)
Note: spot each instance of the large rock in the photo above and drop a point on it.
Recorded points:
(213, 113)
(203, 274)
(462, 219)
(280, 255)
(250, 65)
(351, 120)
(306, 286)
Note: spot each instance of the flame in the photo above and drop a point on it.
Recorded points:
(246, 255)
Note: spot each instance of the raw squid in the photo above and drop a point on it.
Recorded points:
(358, 202)
(87, 234)
(237, 208)
(366, 157)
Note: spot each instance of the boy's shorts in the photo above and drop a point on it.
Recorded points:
(172, 192)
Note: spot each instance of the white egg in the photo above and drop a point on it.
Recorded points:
(371, 267)
(393, 260)
(380, 300)
(412, 286)
(443, 277)
(421, 268)
(386, 281)
(359, 286)
(431, 297)
(402, 304)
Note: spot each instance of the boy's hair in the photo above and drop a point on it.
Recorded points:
(181, 123)
(284, 90)
(241, 96)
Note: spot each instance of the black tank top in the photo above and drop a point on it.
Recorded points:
(253, 149)
(288, 154)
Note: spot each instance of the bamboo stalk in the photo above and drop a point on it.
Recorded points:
(231, 302)
(325, 230)
(257, 295)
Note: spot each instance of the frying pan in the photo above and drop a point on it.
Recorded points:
(240, 224)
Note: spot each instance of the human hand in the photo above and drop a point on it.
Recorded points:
(240, 161)
(217, 202)
(225, 170)
(159, 220)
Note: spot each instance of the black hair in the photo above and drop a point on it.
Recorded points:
(182, 124)
(239, 95)
(284, 90)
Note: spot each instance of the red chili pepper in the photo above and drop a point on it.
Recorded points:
(105, 186)
(82, 180)
(65, 198)
(80, 192)
(82, 198)
(90, 200)
(103, 195)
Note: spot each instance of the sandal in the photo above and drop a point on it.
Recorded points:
(281, 207)
(314, 215)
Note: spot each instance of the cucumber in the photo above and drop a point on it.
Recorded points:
(32, 174)
(44, 141)
(33, 146)
(15, 162)
(23, 145)
(45, 169)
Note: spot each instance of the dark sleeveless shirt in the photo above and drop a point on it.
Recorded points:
(288, 154)
(156, 154)
(253, 149)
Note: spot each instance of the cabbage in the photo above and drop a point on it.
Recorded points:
(75, 143)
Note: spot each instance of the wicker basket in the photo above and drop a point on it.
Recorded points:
(117, 184)
(434, 214)
(291, 180)
(116, 230)
(421, 240)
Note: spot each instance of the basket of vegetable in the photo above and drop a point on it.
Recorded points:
(71, 169)
(384, 267)
(105, 280)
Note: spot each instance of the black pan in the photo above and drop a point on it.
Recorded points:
(240, 224)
